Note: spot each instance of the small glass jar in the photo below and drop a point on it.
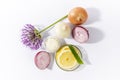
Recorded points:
(65, 59)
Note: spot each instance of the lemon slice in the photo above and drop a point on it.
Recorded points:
(65, 58)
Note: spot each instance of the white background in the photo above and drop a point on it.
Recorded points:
(103, 47)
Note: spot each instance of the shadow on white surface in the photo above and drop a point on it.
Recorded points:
(84, 55)
(84, 58)
(93, 15)
(95, 35)
(51, 62)
(81, 67)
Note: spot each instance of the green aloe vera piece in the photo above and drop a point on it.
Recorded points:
(79, 60)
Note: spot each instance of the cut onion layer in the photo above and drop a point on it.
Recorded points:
(42, 60)
(80, 34)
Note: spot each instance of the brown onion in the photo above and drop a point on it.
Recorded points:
(77, 15)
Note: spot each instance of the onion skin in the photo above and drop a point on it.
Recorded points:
(78, 16)
(86, 32)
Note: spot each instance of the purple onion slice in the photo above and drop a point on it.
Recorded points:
(80, 34)
(42, 60)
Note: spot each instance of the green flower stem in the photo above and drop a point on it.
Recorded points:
(53, 23)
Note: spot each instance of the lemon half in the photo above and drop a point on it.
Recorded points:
(65, 58)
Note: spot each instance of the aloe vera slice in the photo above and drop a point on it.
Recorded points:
(79, 60)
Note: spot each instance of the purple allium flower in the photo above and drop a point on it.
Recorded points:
(31, 37)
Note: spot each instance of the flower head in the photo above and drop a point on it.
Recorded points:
(31, 37)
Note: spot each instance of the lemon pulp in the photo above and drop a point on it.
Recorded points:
(65, 58)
